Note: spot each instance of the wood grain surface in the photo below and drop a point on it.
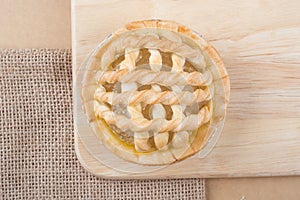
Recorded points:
(259, 42)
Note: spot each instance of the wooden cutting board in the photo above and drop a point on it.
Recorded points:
(259, 42)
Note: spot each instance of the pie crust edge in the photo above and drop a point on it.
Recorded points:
(159, 157)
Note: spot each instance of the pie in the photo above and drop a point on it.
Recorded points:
(154, 91)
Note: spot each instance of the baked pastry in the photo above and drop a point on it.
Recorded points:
(154, 91)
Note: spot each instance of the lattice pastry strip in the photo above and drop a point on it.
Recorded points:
(135, 110)
(154, 97)
(155, 62)
(148, 77)
(191, 122)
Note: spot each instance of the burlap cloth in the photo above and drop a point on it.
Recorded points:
(38, 159)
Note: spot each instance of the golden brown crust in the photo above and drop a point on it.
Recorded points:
(159, 157)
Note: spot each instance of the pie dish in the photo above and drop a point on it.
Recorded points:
(154, 91)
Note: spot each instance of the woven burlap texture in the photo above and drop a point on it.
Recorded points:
(38, 159)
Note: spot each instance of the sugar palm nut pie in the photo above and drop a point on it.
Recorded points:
(153, 92)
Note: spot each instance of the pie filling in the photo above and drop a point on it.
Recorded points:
(151, 99)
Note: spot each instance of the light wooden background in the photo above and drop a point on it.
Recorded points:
(259, 42)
